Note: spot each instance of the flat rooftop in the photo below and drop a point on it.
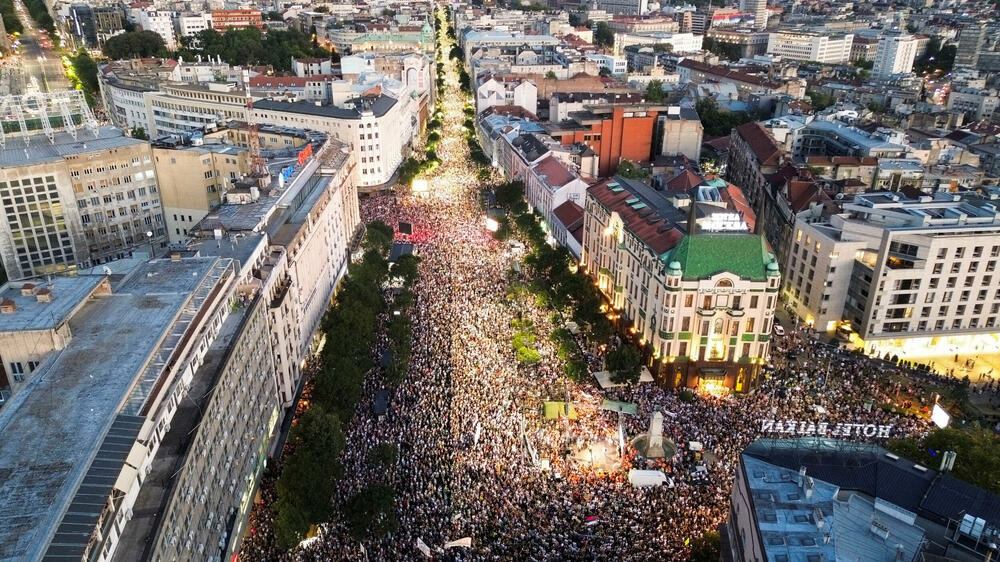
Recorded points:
(67, 293)
(63, 415)
(40, 150)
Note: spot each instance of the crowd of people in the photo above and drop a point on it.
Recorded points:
(478, 460)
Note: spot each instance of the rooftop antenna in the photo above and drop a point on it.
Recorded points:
(258, 166)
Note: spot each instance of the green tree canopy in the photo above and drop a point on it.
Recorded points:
(977, 459)
(604, 36)
(249, 45)
(654, 91)
(624, 363)
(370, 512)
(135, 44)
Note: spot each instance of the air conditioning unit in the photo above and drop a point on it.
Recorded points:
(128, 513)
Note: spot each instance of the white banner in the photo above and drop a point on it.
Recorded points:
(464, 541)
(825, 429)
(422, 547)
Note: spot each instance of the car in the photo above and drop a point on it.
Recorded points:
(778, 330)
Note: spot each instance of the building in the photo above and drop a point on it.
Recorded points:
(979, 104)
(753, 156)
(567, 227)
(181, 108)
(971, 38)
(615, 66)
(194, 175)
(679, 131)
(224, 19)
(758, 9)
(611, 134)
(549, 184)
(695, 72)
(312, 66)
(826, 48)
(161, 23)
(700, 304)
(189, 25)
(822, 137)
(678, 42)
(83, 25)
(918, 273)
(864, 49)
(624, 7)
(894, 55)
(167, 463)
(497, 90)
(819, 498)
(750, 43)
(76, 198)
(379, 127)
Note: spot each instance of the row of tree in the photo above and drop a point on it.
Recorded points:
(11, 22)
(40, 13)
(246, 46)
(311, 469)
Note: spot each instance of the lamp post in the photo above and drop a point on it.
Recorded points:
(149, 236)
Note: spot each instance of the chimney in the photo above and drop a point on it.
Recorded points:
(8, 306)
(27, 290)
(44, 295)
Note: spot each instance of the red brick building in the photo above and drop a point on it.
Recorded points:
(224, 19)
(613, 132)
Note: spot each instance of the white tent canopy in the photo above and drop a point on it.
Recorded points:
(604, 378)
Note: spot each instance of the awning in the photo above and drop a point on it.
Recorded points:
(604, 378)
(620, 407)
(555, 410)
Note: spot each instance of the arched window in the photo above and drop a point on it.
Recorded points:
(718, 327)
(724, 283)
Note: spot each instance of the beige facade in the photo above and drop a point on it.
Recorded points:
(76, 202)
(193, 181)
(704, 317)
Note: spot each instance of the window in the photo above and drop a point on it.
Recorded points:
(16, 368)
(688, 300)
(750, 323)
(753, 301)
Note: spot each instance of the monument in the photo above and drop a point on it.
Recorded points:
(651, 444)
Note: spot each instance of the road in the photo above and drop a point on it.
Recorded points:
(41, 67)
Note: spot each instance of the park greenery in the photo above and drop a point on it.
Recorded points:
(83, 75)
(135, 44)
(977, 459)
(728, 51)
(309, 472)
(820, 101)
(251, 46)
(604, 36)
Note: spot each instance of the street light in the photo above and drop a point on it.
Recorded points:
(149, 236)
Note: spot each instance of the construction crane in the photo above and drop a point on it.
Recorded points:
(258, 165)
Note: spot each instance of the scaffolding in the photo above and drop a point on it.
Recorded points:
(25, 116)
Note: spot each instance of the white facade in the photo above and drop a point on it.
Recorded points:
(809, 46)
(917, 273)
(679, 42)
(624, 7)
(161, 23)
(494, 92)
(894, 55)
(191, 24)
(617, 66)
(980, 103)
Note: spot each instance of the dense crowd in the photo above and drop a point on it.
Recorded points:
(476, 457)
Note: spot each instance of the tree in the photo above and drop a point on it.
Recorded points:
(139, 133)
(370, 512)
(509, 193)
(719, 123)
(550, 75)
(820, 101)
(627, 169)
(604, 36)
(728, 51)
(624, 363)
(707, 548)
(383, 455)
(85, 74)
(135, 44)
(378, 236)
(407, 268)
(11, 22)
(604, 72)
(977, 459)
(654, 91)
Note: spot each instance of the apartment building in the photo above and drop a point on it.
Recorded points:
(224, 19)
(692, 71)
(753, 156)
(77, 198)
(679, 132)
(159, 22)
(700, 304)
(183, 419)
(979, 104)
(613, 132)
(750, 43)
(624, 7)
(827, 48)
(498, 90)
(831, 137)
(912, 277)
(678, 42)
(894, 55)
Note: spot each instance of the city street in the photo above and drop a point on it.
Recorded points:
(477, 459)
(40, 66)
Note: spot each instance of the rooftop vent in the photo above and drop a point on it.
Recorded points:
(8, 306)
(44, 295)
(27, 290)
(879, 529)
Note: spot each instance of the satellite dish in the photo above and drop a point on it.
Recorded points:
(107, 270)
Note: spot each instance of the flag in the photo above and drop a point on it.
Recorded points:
(464, 541)
(422, 547)
(592, 520)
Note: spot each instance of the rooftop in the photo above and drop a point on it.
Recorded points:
(76, 396)
(648, 214)
(39, 150)
(704, 255)
(66, 292)
(378, 105)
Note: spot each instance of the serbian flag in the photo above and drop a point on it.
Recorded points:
(592, 520)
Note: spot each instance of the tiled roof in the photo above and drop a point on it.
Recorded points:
(641, 219)
(763, 145)
(724, 73)
(569, 214)
(704, 255)
(683, 181)
(735, 201)
(554, 172)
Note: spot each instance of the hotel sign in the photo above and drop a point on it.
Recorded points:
(825, 429)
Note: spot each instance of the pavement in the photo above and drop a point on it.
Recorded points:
(38, 63)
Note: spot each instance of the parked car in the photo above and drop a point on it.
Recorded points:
(778, 329)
